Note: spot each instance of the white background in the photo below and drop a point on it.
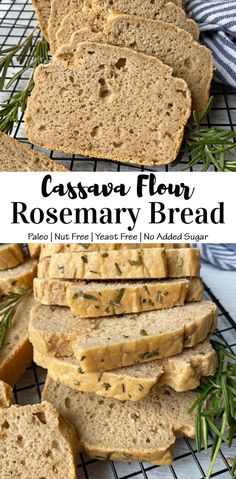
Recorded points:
(210, 189)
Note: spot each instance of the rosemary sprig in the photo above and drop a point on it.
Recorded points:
(216, 406)
(7, 312)
(30, 53)
(208, 146)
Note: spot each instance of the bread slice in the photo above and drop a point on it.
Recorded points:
(15, 279)
(48, 249)
(14, 156)
(106, 299)
(11, 255)
(105, 344)
(175, 47)
(106, 112)
(181, 372)
(6, 395)
(36, 442)
(59, 9)
(128, 264)
(76, 19)
(16, 353)
(126, 431)
(42, 10)
(34, 249)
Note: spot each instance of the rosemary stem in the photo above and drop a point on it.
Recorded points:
(217, 448)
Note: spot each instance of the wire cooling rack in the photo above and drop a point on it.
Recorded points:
(17, 20)
(187, 463)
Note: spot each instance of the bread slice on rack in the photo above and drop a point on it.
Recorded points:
(13, 280)
(11, 255)
(150, 263)
(164, 41)
(14, 156)
(128, 431)
(16, 353)
(110, 115)
(36, 441)
(48, 249)
(105, 344)
(76, 19)
(182, 372)
(97, 298)
(42, 10)
(6, 395)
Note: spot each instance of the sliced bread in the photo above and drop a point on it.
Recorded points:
(76, 19)
(15, 279)
(128, 431)
(181, 372)
(6, 395)
(11, 255)
(14, 156)
(42, 10)
(189, 60)
(105, 344)
(34, 249)
(48, 249)
(106, 112)
(126, 264)
(36, 442)
(16, 353)
(105, 299)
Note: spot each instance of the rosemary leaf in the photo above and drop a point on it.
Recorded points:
(7, 312)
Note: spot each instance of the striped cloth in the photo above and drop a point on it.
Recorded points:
(222, 256)
(217, 23)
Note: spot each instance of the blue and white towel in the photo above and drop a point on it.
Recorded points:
(217, 23)
(222, 256)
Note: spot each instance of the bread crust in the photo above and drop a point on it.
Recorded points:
(11, 255)
(21, 279)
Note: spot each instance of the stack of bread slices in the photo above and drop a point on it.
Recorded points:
(123, 331)
(124, 79)
(16, 276)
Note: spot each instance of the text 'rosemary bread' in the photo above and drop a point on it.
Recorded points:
(105, 344)
(126, 264)
(11, 255)
(16, 352)
(14, 156)
(106, 112)
(76, 19)
(181, 372)
(14, 280)
(162, 40)
(128, 431)
(48, 249)
(36, 442)
(105, 299)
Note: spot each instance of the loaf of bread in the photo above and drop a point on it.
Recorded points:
(36, 442)
(16, 353)
(105, 344)
(34, 249)
(6, 395)
(164, 41)
(18, 278)
(11, 255)
(150, 263)
(48, 249)
(127, 431)
(14, 156)
(76, 19)
(42, 10)
(181, 372)
(96, 299)
(106, 112)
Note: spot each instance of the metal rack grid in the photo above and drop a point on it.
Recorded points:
(187, 460)
(16, 22)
